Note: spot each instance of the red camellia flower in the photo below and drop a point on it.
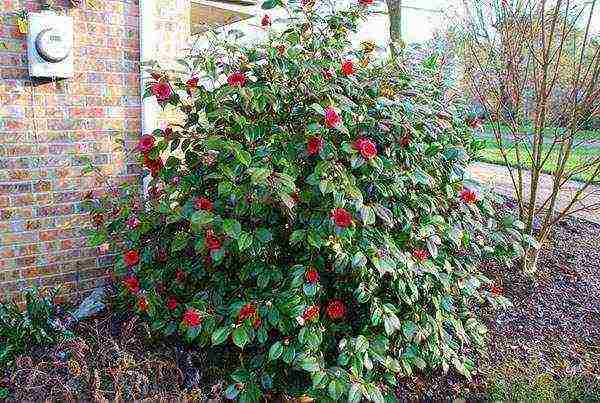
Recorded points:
(341, 217)
(143, 304)
(237, 79)
(366, 148)
(311, 313)
(266, 21)
(154, 165)
(468, 196)
(132, 284)
(348, 68)
(145, 143)
(336, 309)
(315, 145)
(162, 91)
(312, 276)
(192, 83)
(131, 257)
(211, 242)
(421, 255)
(202, 203)
(180, 275)
(172, 303)
(365, 2)
(332, 119)
(496, 290)
(191, 318)
(247, 311)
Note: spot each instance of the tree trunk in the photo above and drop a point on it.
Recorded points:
(395, 13)
(529, 264)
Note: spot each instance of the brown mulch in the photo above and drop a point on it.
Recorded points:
(556, 317)
(553, 329)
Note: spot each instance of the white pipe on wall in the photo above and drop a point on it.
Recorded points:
(149, 107)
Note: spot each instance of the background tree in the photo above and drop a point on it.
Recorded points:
(395, 13)
(536, 64)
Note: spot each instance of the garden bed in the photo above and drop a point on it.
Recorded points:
(547, 347)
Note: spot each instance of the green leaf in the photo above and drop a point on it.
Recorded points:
(262, 281)
(318, 108)
(362, 344)
(289, 355)
(193, 332)
(259, 175)
(359, 260)
(98, 238)
(244, 241)
(240, 337)
(318, 378)
(309, 289)
(309, 364)
(264, 235)
(355, 394)
(243, 157)
(220, 335)
(409, 329)
(179, 242)
(232, 227)
(297, 236)
(335, 389)
(201, 217)
(275, 351)
(269, 4)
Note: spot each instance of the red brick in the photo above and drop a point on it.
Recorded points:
(45, 127)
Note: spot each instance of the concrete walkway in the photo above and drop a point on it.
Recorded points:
(498, 178)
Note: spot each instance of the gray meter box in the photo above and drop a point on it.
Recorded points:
(50, 45)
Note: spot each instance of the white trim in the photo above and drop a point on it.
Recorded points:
(147, 52)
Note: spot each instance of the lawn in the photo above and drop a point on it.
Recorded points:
(588, 135)
(491, 153)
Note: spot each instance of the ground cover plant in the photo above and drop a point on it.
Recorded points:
(310, 213)
(27, 325)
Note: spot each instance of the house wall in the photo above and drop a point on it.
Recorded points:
(45, 128)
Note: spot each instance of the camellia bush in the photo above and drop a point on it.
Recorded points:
(309, 212)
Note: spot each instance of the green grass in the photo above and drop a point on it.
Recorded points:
(548, 132)
(491, 153)
(515, 379)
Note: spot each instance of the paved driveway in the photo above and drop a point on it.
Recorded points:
(498, 177)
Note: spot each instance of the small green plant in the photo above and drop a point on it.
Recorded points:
(20, 329)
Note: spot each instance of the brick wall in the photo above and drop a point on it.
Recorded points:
(44, 130)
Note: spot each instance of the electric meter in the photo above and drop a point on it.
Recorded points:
(50, 45)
